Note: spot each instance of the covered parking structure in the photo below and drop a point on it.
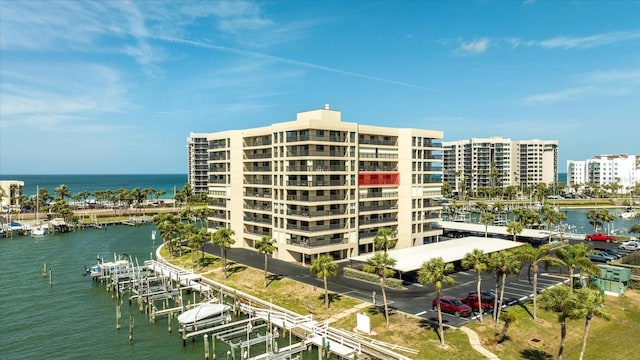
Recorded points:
(462, 229)
(411, 259)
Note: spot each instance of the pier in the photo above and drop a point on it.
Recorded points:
(254, 328)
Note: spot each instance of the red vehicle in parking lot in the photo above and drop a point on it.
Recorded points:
(486, 301)
(600, 237)
(452, 305)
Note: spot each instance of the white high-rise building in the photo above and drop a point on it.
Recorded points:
(478, 163)
(605, 169)
(318, 185)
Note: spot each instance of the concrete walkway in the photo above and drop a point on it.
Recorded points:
(476, 344)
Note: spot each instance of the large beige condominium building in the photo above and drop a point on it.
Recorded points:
(470, 165)
(318, 185)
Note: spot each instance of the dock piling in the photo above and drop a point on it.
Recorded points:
(130, 328)
(44, 270)
(206, 347)
(118, 316)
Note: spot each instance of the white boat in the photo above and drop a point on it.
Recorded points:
(38, 230)
(628, 213)
(102, 269)
(203, 315)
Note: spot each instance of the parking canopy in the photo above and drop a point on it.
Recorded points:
(411, 259)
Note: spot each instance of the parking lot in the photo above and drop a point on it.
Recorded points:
(517, 289)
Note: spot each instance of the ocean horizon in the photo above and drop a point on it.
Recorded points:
(99, 182)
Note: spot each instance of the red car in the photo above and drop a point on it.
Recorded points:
(486, 301)
(600, 237)
(451, 305)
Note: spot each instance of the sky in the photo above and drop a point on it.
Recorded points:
(116, 87)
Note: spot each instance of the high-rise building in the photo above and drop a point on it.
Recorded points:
(198, 162)
(318, 185)
(623, 170)
(474, 164)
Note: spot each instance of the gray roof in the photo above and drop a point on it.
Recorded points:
(410, 259)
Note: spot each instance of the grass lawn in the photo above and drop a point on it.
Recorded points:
(408, 331)
(613, 339)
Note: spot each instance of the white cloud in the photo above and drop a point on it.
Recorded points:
(55, 95)
(476, 46)
(576, 42)
(614, 76)
(558, 95)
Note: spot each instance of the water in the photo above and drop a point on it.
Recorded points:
(92, 183)
(75, 319)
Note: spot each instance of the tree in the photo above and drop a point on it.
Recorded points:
(167, 224)
(487, 218)
(435, 272)
(323, 267)
(197, 238)
(380, 264)
(534, 256)
(504, 263)
(223, 238)
(591, 304)
(564, 302)
(635, 229)
(265, 246)
(551, 217)
(62, 191)
(508, 318)
(514, 228)
(575, 257)
(385, 239)
(477, 260)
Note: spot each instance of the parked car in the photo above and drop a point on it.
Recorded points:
(452, 305)
(486, 300)
(598, 257)
(600, 237)
(612, 252)
(605, 255)
(630, 245)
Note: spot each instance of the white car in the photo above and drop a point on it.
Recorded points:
(630, 245)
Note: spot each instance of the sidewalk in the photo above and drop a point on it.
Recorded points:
(474, 340)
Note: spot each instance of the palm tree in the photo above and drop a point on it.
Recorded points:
(197, 237)
(223, 238)
(435, 272)
(265, 246)
(514, 228)
(564, 302)
(380, 264)
(476, 259)
(551, 217)
(487, 218)
(591, 303)
(385, 239)
(508, 318)
(323, 267)
(534, 256)
(167, 224)
(62, 191)
(504, 263)
(575, 257)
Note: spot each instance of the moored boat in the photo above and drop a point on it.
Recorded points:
(204, 315)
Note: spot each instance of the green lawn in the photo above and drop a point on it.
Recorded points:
(614, 339)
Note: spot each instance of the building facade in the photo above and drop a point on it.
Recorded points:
(10, 192)
(473, 164)
(318, 185)
(197, 162)
(605, 169)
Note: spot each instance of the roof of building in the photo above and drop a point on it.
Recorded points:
(412, 258)
(492, 229)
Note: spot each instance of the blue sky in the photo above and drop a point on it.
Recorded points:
(91, 87)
